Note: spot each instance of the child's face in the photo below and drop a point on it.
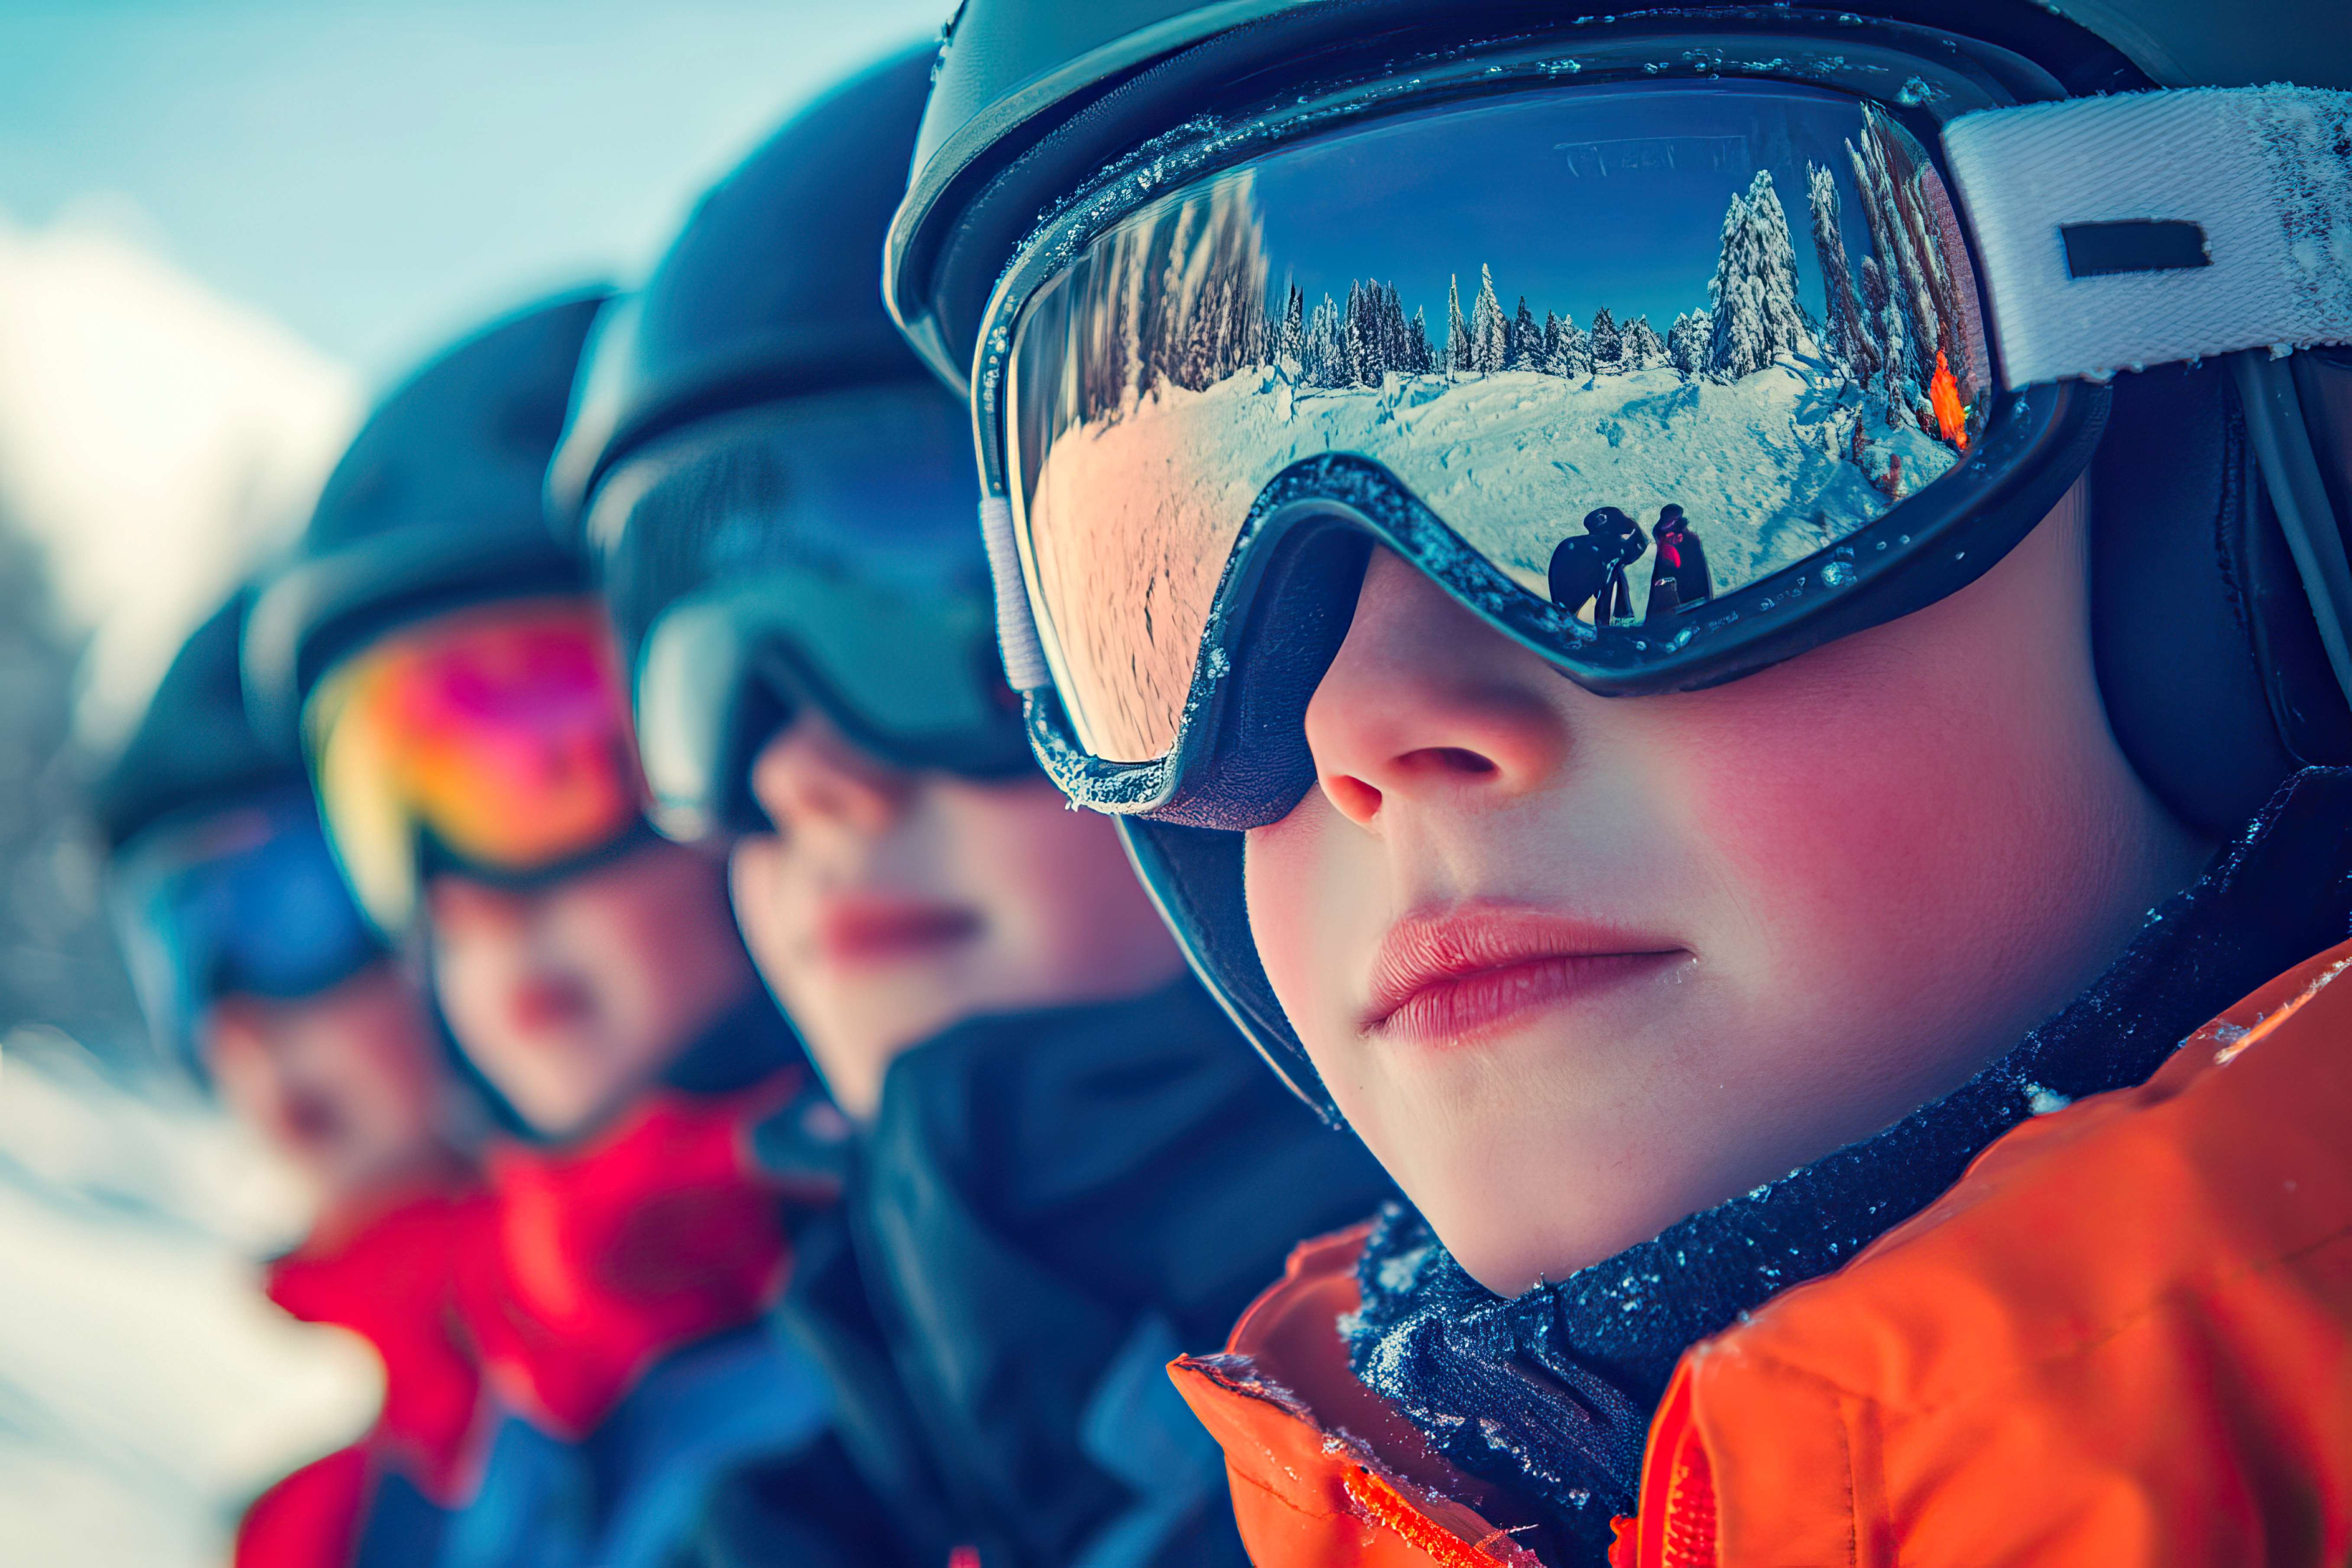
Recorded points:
(1576, 967)
(573, 997)
(889, 904)
(346, 1083)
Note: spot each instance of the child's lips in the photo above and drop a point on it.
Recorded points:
(858, 932)
(1452, 976)
(539, 1008)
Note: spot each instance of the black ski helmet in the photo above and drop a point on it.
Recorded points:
(767, 292)
(2210, 632)
(436, 503)
(220, 880)
(195, 747)
(751, 427)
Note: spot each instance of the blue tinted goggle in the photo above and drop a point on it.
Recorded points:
(241, 900)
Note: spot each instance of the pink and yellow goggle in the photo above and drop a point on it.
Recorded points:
(493, 739)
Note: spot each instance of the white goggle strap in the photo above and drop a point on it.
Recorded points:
(2154, 226)
(1016, 628)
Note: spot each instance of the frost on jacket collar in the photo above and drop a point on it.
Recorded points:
(1047, 1207)
(1550, 1395)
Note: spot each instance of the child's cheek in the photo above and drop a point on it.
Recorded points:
(1315, 905)
(1845, 818)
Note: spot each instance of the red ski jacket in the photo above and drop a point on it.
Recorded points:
(613, 1253)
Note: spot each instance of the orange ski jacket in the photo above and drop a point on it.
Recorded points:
(2124, 1337)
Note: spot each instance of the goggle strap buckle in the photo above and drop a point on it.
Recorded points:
(2150, 228)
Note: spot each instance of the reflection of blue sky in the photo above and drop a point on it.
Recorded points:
(1586, 197)
(377, 175)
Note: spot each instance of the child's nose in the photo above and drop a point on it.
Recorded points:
(1426, 703)
(809, 775)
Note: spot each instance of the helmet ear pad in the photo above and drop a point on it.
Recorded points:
(2215, 683)
(1257, 768)
(1195, 875)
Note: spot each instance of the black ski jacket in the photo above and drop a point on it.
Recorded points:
(1048, 1208)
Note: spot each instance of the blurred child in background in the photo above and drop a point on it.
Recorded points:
(1068, 1165)
(259, 976)
(469, 742)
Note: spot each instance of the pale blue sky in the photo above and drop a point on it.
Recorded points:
(381, 175)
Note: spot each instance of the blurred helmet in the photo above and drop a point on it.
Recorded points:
(439, 654)
(436, 503)
(220, 881)
(773, 494)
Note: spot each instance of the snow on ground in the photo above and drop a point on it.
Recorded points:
(146, 1389)
(156, 437)
(1763, 468)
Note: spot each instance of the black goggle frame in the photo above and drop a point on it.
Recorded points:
(2036, 441)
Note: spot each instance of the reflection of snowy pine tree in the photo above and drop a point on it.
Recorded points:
(1490, 345)
(1177, 296)
(1897, 360)
(1359, 350)
(1849, 340)
(1911, 260)
(1687, 342)
(1644, 350)
(1180, 298)
(1753, 291)
(1290, 335)
(1527, 340)
(1874, 298)
(1374, 338)
(1567, 351)
(1608, 344)
(1457, 329)
(1324, 362)
(1419, 358)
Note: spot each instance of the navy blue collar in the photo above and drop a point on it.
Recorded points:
(748, 1044)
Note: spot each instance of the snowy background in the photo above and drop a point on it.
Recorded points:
(223, 226)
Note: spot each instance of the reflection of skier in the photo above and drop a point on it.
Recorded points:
(1591, 565)
(1679, 576)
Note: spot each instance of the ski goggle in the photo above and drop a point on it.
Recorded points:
(240, 901)
(1665, 379)
(819, 552)
(493, 741)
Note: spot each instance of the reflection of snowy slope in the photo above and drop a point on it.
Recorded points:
(146, 1389)
(1764, 466)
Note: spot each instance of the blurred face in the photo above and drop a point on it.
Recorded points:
(347, 1083)
(1575, 967)
(888, 905)
(572, 998)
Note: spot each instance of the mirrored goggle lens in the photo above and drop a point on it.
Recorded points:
(1638, 347)
(916, 681)
(873, 484)
(815, 549)
(497, 737)
(245, 901)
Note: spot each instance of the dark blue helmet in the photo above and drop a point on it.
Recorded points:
(771, 289)
(436, 502)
